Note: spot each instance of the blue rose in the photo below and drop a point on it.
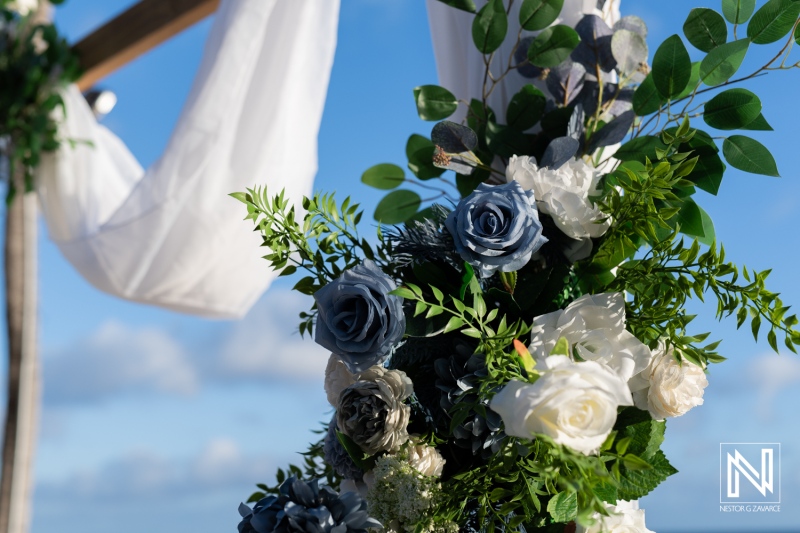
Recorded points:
(496, 228)
(358, 319)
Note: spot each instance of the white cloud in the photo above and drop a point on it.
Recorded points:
(118, 359)
(267, 345)
(771, 374)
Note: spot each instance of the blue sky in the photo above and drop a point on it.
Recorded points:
(155, 421)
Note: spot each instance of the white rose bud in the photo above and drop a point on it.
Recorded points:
(594, 328)
(670, 388)
(625, 517)
(573, 403)
(337, 378)
(425, 459)
(563, 194)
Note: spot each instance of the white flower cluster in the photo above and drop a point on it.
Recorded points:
(564, 194)
(624, 517)
(589, 365)
(399, 496)
(23, 7)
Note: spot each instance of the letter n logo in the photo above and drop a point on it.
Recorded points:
(748, 472)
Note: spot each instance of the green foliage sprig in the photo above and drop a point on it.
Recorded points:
(36, 62)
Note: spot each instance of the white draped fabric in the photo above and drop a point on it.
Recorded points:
(170, 235)
(460, 66)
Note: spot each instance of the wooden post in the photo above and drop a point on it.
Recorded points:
(23, 389)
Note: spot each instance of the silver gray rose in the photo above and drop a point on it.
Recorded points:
(358, 319)
(496, 228)
(371, 410)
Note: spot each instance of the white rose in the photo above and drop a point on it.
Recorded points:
(337, 378)
(426, 459)
(668, 388)
(625, 517)
(574, 403)
(563, 194)
(23, 7)
(594, 328)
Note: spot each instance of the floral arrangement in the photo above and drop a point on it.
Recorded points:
(36, 63)
(507, 358)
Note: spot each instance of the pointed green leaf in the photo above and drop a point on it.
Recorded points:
(525, 108)
(759, 124)
(732, 109)
(672, 67)
(749, 155)
(738, 11)
(773, 21)
(723, 62)
(705, 29)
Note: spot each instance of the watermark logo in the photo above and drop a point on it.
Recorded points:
(750, 473)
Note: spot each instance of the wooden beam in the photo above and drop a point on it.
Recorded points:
(134, 32)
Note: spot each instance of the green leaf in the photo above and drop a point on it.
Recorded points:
(489, 27)
(453, 324)
(637, 483)
(397, 207)
(749, 155)
(709, 170)
(690, 219)
(797, 35)
(525, 108)
(639, 148)
(647, 99)
(384, 176)
(554, 45)
(672, 67)
(738, 11)
(759, 123)
(694, 80)
(732, 109)
(535, 15)
(773, 21)
(360, 459)
(419, 151)
(563, 507)
(723, 62)
(434, 102)
(705, 29)
(464, 5)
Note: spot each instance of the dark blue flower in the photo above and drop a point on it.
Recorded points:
(496, 228)
(337, 456)
(304, 507)
(358, 319)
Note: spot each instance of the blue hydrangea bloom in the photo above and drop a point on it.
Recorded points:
(496, 228)
(304, 507)
(358, 319)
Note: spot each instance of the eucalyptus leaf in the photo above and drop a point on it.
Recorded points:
(559, 151)
(749, 155)
(595, 47)
(383, 176)
(738, 11)
(773, 21)
(526, 108)
(459, 163)
(434, 102)
(525, 69)
(552, 46)
(454, 138)
(397, 207)
(575, 128)
(722, 62)
(536, 15)
(629, 50)
(631, 23)
(672, 68)
(705, 29)
(565, 82)
(613, 132)
(489, 27)
(732, 109)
